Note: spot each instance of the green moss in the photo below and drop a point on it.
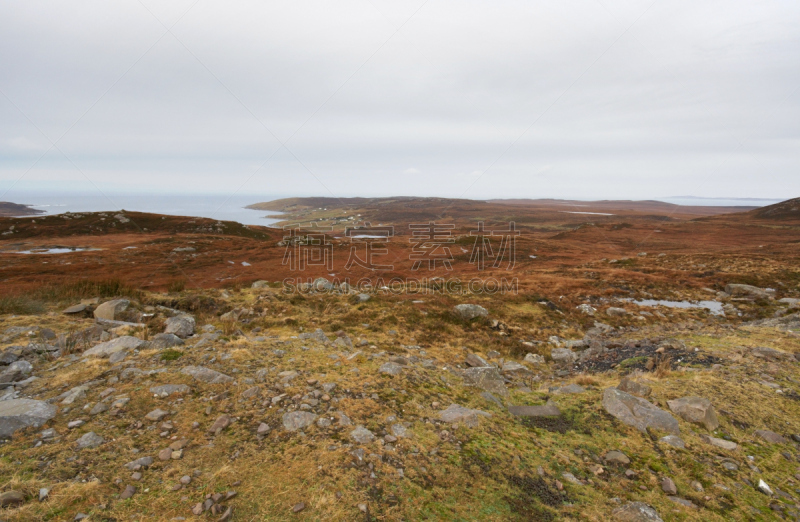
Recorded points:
(171, 355)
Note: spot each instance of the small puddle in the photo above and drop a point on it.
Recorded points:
(52, 250)
(715, 307)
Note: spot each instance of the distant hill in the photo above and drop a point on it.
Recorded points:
(291, 204)
(789, 209)
(8, 209)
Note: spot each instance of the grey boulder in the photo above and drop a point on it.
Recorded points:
(111, 310)
(737, 290)
(16, 414)
(362, 435)
(89, 440)
(455, 414)
(391, 368)
(165, 340)
(468, 312)
(695, 409)
(181, 325)
(16, 371)
(637, 412)
(486, 378)
(108, 348)
(298, 420)
(563, 356)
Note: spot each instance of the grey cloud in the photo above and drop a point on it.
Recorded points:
(603, 99)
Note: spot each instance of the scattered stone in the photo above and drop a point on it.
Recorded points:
(362, 435)
(298, 420)
(637, 412)
(476, 361)
(98, 408)
(156, 415)
(391, 368)
(165, 454)
(668, 486)
(297, 508)
(697, 410)
(673, 441)
(570, 389)
(43, 494)
(720, 443)
(89, 440)
(73, 394)
(683, 502)
(585, 309)
(764, 487)
(222, 422)
(143, 462)
(165, 340)
(207, 375)
(165, 390)
(534, 358)
(616, 457)
(128, 493)
(613, 311)
(771, 436)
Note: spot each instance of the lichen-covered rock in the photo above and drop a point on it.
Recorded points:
(486, 378)
(636, 512)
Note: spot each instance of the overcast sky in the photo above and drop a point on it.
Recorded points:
(573, 99)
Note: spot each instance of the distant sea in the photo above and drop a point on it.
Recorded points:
(231, 208)
(221, 207)
(719, 202)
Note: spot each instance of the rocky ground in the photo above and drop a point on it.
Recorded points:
(251, 404)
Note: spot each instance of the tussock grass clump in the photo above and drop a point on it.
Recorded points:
(69, 292)
(20, 306)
